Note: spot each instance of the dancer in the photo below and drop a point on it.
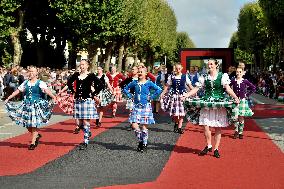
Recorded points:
(243, 89)
(106, 97)
(214, 106)
(142, 114)
(114, 78)
(87, 87)
(172, 102)
(34, 111)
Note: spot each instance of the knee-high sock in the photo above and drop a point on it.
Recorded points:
(138, 134)
(145, 136)
(236, 126)
(241, 127)
(86, 133)
(114, 108)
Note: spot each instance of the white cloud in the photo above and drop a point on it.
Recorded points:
(209, 23)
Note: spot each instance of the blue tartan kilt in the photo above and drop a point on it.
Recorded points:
(142, 114)
(85, 109)
(106, 97)
(129, 104)
(30, 113)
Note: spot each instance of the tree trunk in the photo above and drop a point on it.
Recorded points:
(92, 50)
(73, 55)
(108, 54)
(125, 63)
(15, 37)
(281, 51)
(120, 56)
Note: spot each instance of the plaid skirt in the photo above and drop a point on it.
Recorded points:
(129, 104)
(219, 113)
(66, 102)
(106, 97)
(117, 93)
(30, 113)
(142, 114)
(85, 109)
(244, 109)
(173, 104)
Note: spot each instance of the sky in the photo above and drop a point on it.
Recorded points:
(209, 23)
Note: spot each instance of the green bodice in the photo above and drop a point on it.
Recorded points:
(214, 89)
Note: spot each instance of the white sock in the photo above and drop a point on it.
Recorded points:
(209, 146)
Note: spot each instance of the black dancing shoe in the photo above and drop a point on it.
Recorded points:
(83, 146)
(180, 131)
(175, 128)
(90, 134)
(241, 136)
(205, 151)
(216, 153)
(32, 147)
(140, 146)
(99, 124)
(144, 148)
(236, 135)
(76, 130)
(129, 128)
(37, 139)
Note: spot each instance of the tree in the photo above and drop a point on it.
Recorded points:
(252, 32)
(183, 41)
(274, 13)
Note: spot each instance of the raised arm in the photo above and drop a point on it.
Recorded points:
(157, 89)
(127, 88)
(98, 85)
(71, 81)
(251, 88)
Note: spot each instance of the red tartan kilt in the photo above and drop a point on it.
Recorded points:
(117, 93)
(66, 102)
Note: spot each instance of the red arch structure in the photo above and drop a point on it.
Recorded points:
(226, 54)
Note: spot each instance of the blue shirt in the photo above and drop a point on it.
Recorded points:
(142, 93)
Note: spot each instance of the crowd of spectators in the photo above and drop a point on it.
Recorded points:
(268, 83)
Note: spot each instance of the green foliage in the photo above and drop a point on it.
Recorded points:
(252, 28)
(183, 41)
(274, 12)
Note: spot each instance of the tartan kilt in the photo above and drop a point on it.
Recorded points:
(142, 114)
(117, 93)
(106, 97)
(197, 108)
(173, 104)
(85, 109)
(244, 109)
(66, 102)
(129, 104)
(30, 113)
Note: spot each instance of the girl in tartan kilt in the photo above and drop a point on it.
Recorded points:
(212, 107)
(132, 77)
(114, 79)
(106, 97)
(87, 87)
(172, 102)
(142, 114)
(34, 111)
(243, 89)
